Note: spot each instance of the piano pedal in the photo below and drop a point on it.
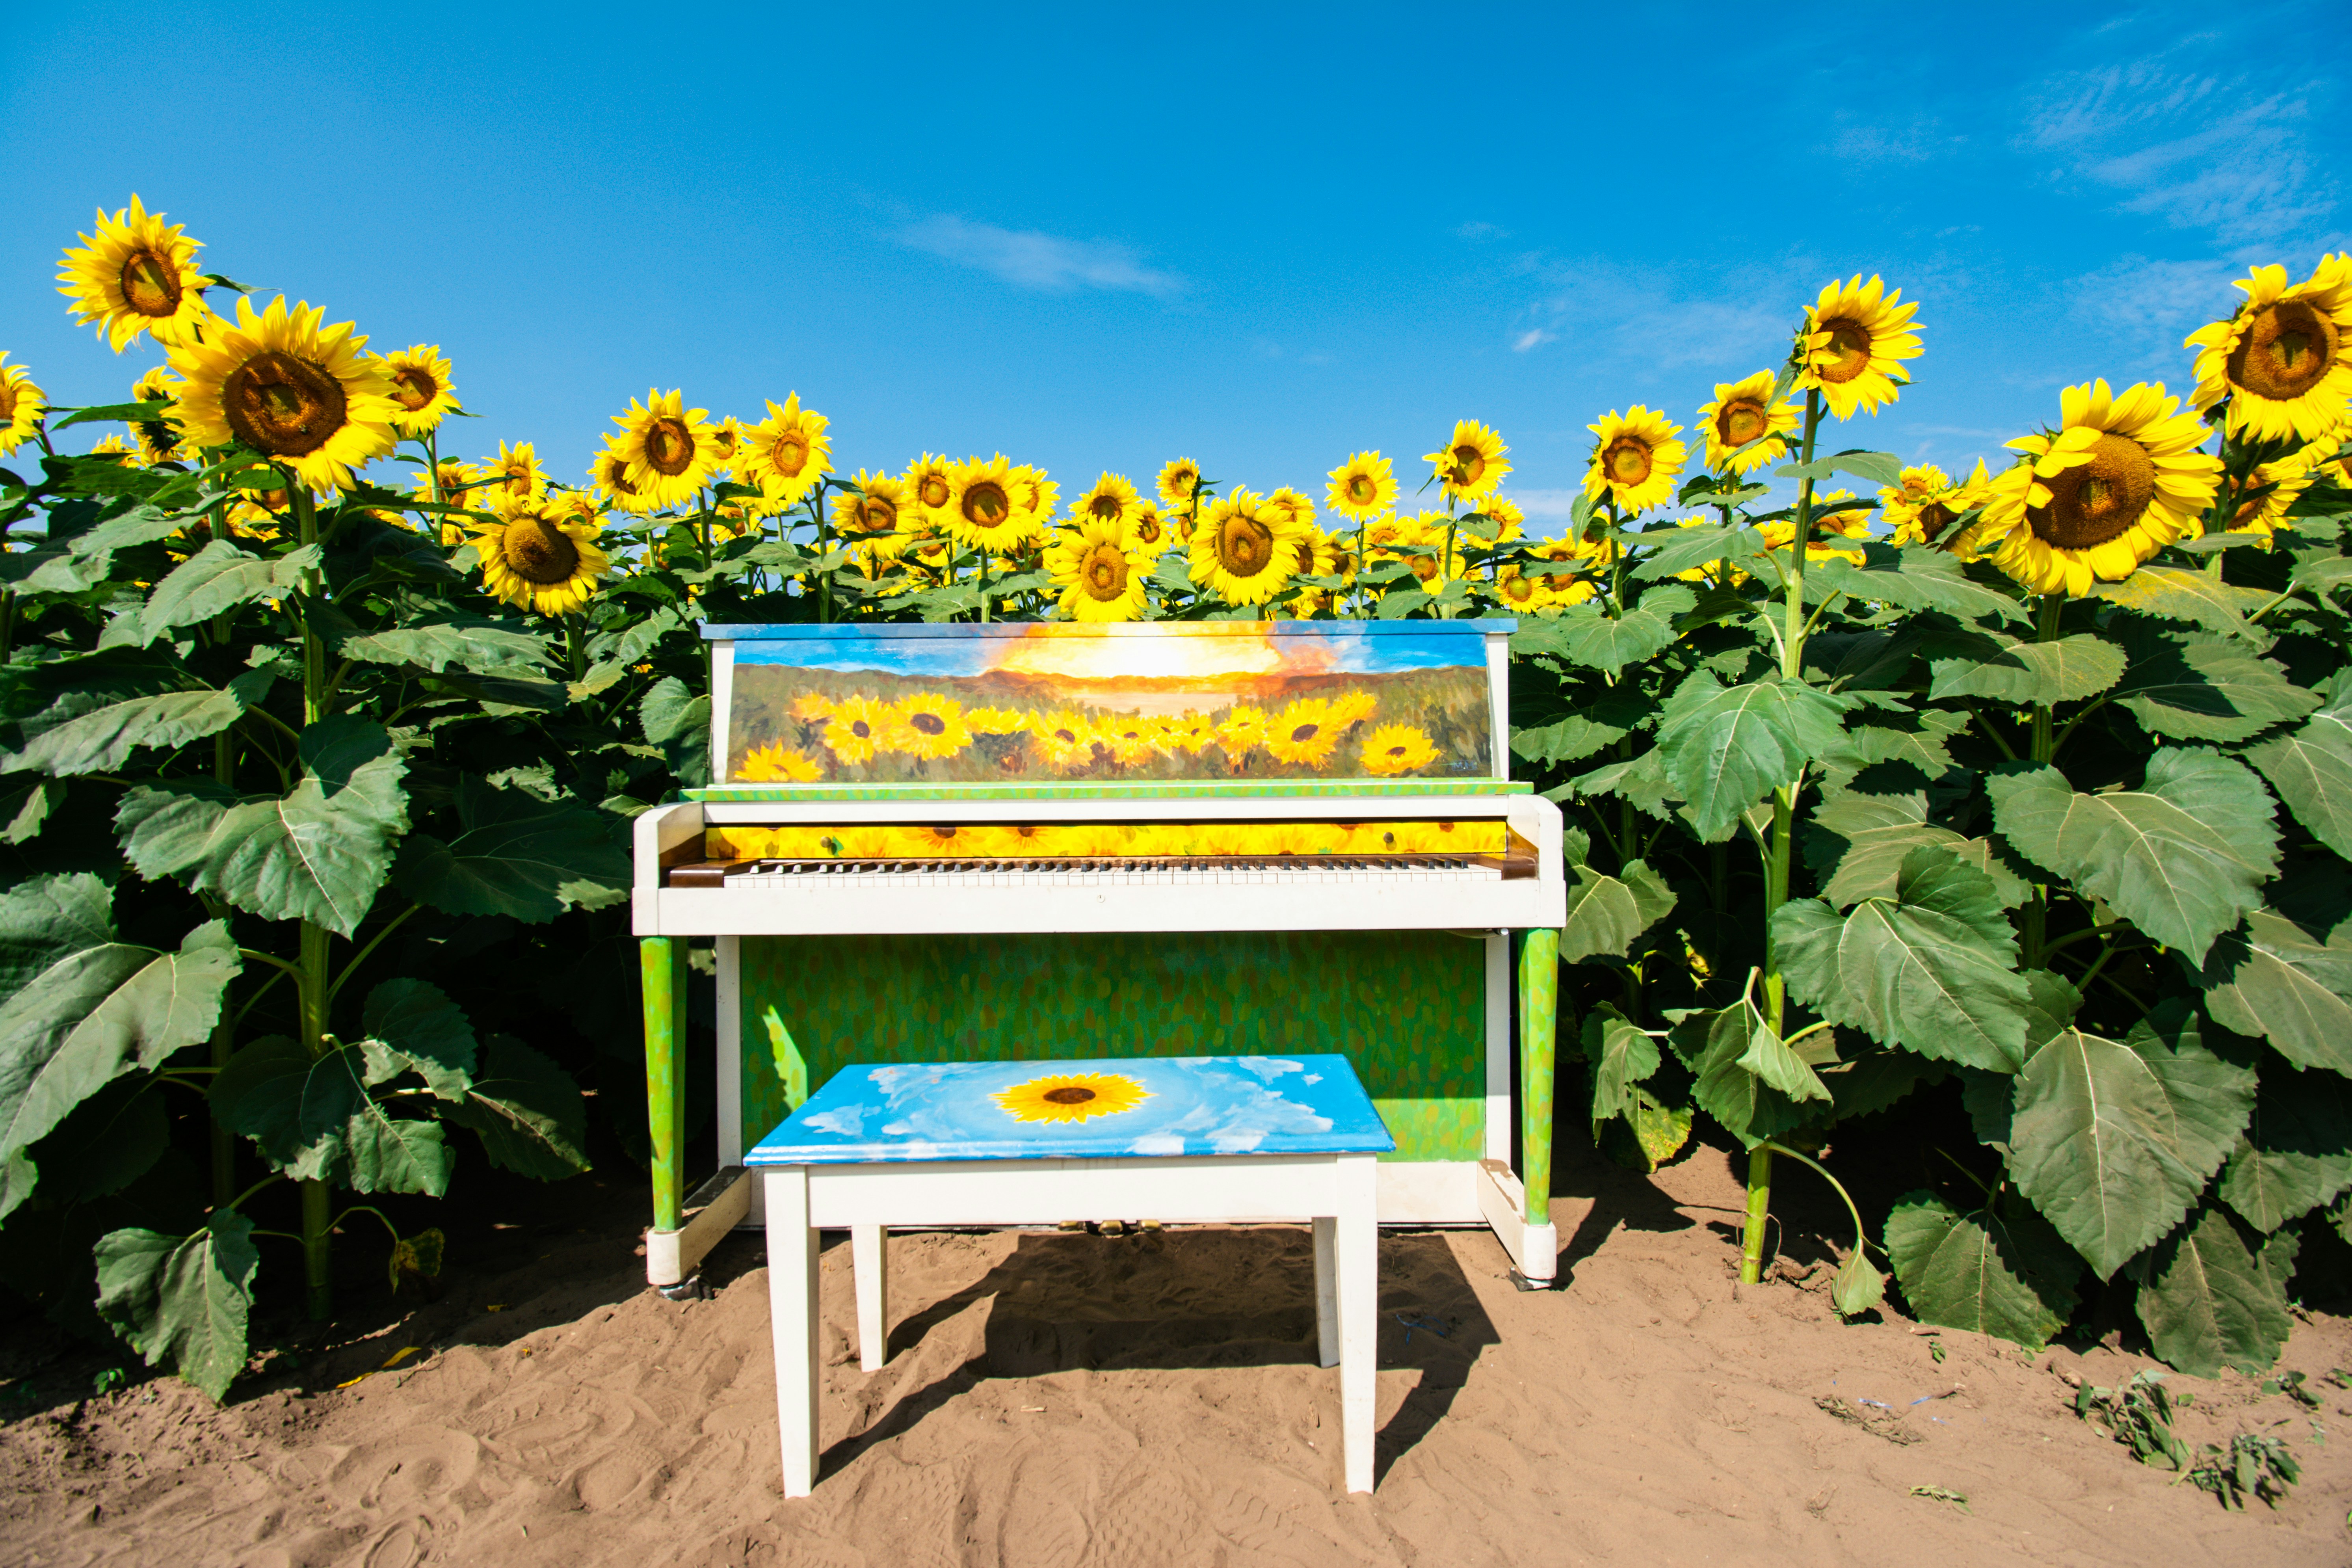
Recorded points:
(690, 1288)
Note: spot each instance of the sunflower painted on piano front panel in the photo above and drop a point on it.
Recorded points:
(856, 730)
(1071, 1097)
(928, 725)
(778, 763)
(1303, 733)
(1394, 749)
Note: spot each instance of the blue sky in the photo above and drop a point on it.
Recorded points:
(1260, 236)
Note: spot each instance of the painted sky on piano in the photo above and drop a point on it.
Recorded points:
(1159, 648)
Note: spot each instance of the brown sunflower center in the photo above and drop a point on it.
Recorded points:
(1305, 732)
(1934, 517)
(1360, 488)
(286, 406)
(2287, 349)
(517, 480)
(1848, 350)
(539, 552)
(616, 471)
(1627, 461)
(1469, 463)
(986, 504)
(789, 454)
(877, 514)
(933, 491)
(1069, 1094)
(150, 284)
(1424, 566)
(1067, 737)
(275, 500)
(8, 396)
(861, 729)
(1106, 507)
(415, 387)
(1184, 481)
(930, 724)
(1245, 545)
(1147, 531)
(1520, 589)
(1103, 572)
(1740, 421)
(2098, 501)
(669, 448)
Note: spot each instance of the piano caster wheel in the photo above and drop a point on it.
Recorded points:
(1521, 1282)
(690, 1288)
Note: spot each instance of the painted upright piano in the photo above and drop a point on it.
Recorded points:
(1050, 841)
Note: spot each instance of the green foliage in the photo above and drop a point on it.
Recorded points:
(2003, 1271)
(183, 1299)
(2256, 1464)
(2140, 1415)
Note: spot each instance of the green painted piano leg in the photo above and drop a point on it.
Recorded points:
(1538, 1011)
(662, 965)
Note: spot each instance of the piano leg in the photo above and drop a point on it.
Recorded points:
(793, 1322)
(870, 1258)
(661, 962)
(1539, 1018)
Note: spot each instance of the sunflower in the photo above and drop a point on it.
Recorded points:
(1520, 592)
(1472, 464)
(1113, 499)
(1101, 578)
(1745, 428)
(608, 476)
(539, 559)
(927, 725)
(1301, 510)
(1071, 1097)
(2285, 358)
(856, 730)
(1854, 338)
(777, 764)
(1132, 739)
(812, 708)
(22, 404)
(1505, 521)
(870, 515)
(2273, 487)
(302, 395)
(1180, 481)
(726, 447)
(514, 480)
(1036, 496)
(1635, 460)
(1923, 508)
(159, 438)
(1245, 548)
(2118, 482)
(1241, 730)
(1188, 734)
(1148, 532)
(1066, 741)
(1303, 733)
(994, 721)
(930, 485)
(668, 447)
(984, 511)
(939, 841)
(1394, 749)
(1363, 487)
(420, 385)
(784, 454)
(137, 275)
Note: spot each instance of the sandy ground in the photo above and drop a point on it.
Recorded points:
(1152, 1399)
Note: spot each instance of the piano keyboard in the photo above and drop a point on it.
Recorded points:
(1111, 871)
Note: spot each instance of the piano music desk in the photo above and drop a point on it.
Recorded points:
(1192, 1139)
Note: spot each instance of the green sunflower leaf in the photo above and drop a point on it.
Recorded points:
(1668, 552)
(2006, 1274)
(1622, 1055)
(2004, 669)
(1587, 638)
(413, 1026)
(2113, 1139)
(2271, 978)
(1916, 579)
(517, 855)
(679, 723)
(467, 643)
(79, 1007)
(2183, 857)
(221, 576)
(2310, 768)
(2208, 689)
(2296, 1154)
(183, 1299)
(87, 734)
(2216, 1296)
(1573, 739)
(2181, 593)
(1712, 1043)
(1723, 747)
(1605, 914)
(1859, 842)
(314, 1119)
(527, 1111)
(76, 564)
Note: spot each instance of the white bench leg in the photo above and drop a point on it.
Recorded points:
(1359, 1241)
(792, 1322)
(1327, 1293)
(871, 1261)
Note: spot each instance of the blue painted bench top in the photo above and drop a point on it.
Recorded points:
(1110, 1108)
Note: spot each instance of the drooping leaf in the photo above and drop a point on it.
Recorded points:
(1641, 780)
(312, 854)
(1770, 1058)
(1622, 1055)
(2208, 689)
(1572, 738)
(1858, 1286)
(221, 576)
(2213, 1300)
(413, 1026)
(2006, 669)
(109, 1141)
(2182, 856)
(1921, 742)
(679, 723)
(517, 855)
(1723, 747)
(314, 1119)
(2310, 768)
(1859, 841)
(2179, 594)
(1669, 551)
(91, 735)
(2296, 1154)
(79, 1007)
(464, 643)
(1876, 1080)
(1590, 639)
(1933, 968)
(183, 1299)
(2270, 977)
(1916, 579)
(2113, 1139)
(1605, 914)
(24, 810)
(527, 1111)
(2006, 1274)
(1711, 1043)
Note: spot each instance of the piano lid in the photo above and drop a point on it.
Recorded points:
(1024, 705)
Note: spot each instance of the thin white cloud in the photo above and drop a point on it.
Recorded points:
(1652, 318)
(1482, 230)
(1913, 142)
(1028, 259)
(1534, 337)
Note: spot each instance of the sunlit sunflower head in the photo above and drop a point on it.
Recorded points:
(1300, 508)
(1071, 1097)
(726, 447)
(1853, 343)
(159, 438)
(1363, 487)
(1246, 549)
(1635, 460)
(2284, 359)
(927, 725)
(1304, 734)
(1035, 496)
(22, 405)
(421, 386)
(1926, 506)
(668, 447)
(1148, 532)
(1745, 428)
(541, 559)
(1521, 593)
(1102, 576)
(1179, 481)
(1472, 464)
(512, 482)
(1064, 739)
(1504, 520)
(2274, 486)
(1393, 749)
(986, 509)
(2118, 481)
(777, 763)
(1113, 499)
(303, 394)
(930, 485)
(876, 516)
(608, 476)
(856, 729)
(786, 453)
(136, 275)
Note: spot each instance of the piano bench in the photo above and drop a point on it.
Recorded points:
(1185, 1139)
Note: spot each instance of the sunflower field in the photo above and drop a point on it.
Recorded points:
(2016, 803)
